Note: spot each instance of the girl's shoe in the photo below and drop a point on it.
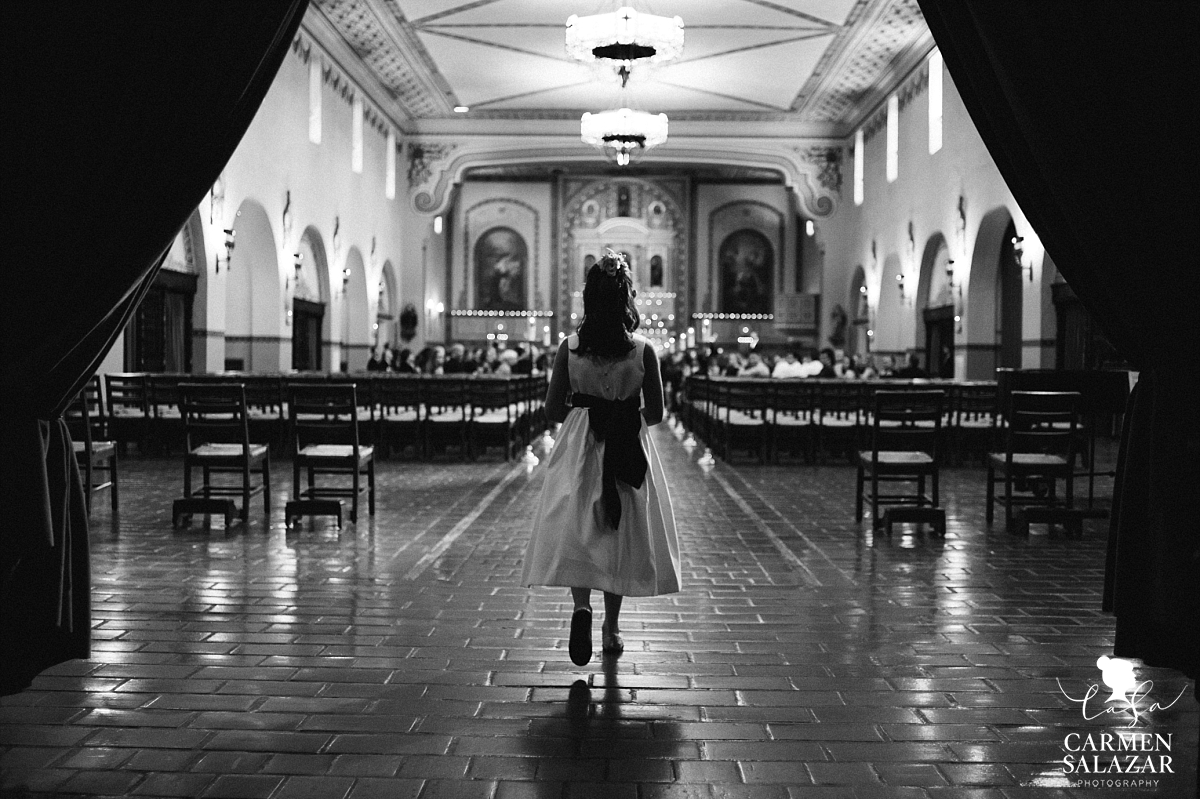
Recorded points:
(611, 642)
(580, 645)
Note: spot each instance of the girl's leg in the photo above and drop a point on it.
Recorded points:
(580, 643)
(612, 612)
(583, 597)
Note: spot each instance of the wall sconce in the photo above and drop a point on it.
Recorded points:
(1019, 256)
(337, 234)
(216, 199)
(437, 225)
(288, 221)
(345, 280)
(950, 274)
(810, 228)
(900, 284)
(229, 245)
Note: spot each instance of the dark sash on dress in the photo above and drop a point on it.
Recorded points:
(617, 423)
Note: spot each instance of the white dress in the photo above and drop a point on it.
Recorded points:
(571, 544)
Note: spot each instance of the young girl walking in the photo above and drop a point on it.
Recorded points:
(605, 519)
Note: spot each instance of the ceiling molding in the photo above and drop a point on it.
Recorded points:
(811, 168)
(339, 54)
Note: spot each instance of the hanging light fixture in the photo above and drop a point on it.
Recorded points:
(623, 38)
(623, 133)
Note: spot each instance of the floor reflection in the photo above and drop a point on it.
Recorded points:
(602, 733)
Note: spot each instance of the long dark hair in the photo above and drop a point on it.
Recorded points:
(609, 313)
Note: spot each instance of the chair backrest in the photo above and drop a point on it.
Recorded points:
(794, 397)
(748, 397)
(214, 413)
(1043, 422)
(126, 394)
(264, 395)
(445, 394)
(841, 400)
(162, 394)
(79, 420)
(396, 394)
(323, 413)
(975, 403)
(907, 421)
(488, 394)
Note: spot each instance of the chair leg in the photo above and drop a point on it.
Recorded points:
(187, 479)
(112, 478)
(371, 486)
(87, 484)
(295, 480)
(858, 496)
(245, 514)
(991, 495)
(354, 501)
(1008, 514)
(874, 498)
(933, 479)
(266, 478)
(920, 490)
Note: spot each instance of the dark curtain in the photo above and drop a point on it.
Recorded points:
(1090, 114)
(118, 118)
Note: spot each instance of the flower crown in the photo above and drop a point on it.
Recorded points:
(613, 262)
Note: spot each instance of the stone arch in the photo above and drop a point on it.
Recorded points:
(387, 308)
(892, 313)
(858, 307)
(983, 300)
(933, 285)
(253, 294)
(358, 325)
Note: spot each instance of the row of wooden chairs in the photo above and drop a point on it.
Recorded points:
(395, 411)
(811, 417)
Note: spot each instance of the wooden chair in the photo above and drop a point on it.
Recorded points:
(794, 417)
(166, 430)
(1040, 437)
(975, 419)
(906, 430)
(494, 415)
(446, 414)
(93, 452)
(743, 424)
(217, 441)
(325, 431)
(264, 410)
(839, 423)
(128, 413)
(398, 404)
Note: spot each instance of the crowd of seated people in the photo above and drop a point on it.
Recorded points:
(521, 359)
(826, 363)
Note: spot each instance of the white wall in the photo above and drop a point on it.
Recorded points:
(926, 195)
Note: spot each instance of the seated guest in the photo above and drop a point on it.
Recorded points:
(845, 368)
(456, 361)
(788, 366)
(827, 364)
(376, 362)
(867, 370)
(524, 364)
(912, 370)
(754, 367)
(404, 362)
(508, 359)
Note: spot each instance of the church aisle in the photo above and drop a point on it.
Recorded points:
(399, 657)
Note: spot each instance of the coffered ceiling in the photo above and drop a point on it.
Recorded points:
(816, 67)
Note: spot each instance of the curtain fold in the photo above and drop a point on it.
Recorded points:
(1090, 115)
(118, 118)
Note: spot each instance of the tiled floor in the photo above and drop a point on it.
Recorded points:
(400, 658)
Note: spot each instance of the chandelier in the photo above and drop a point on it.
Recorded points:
(623, 133)
(621, 37)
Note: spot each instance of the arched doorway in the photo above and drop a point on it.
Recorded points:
(357, 324)
(253, 302)
(386, 309)
(158, 337)
(858, 343)
(310, 299)
(936, 323)
(994, 305)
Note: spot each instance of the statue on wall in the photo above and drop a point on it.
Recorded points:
(747, 262)
(838, 320)
(501, 257)
(408, 322)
